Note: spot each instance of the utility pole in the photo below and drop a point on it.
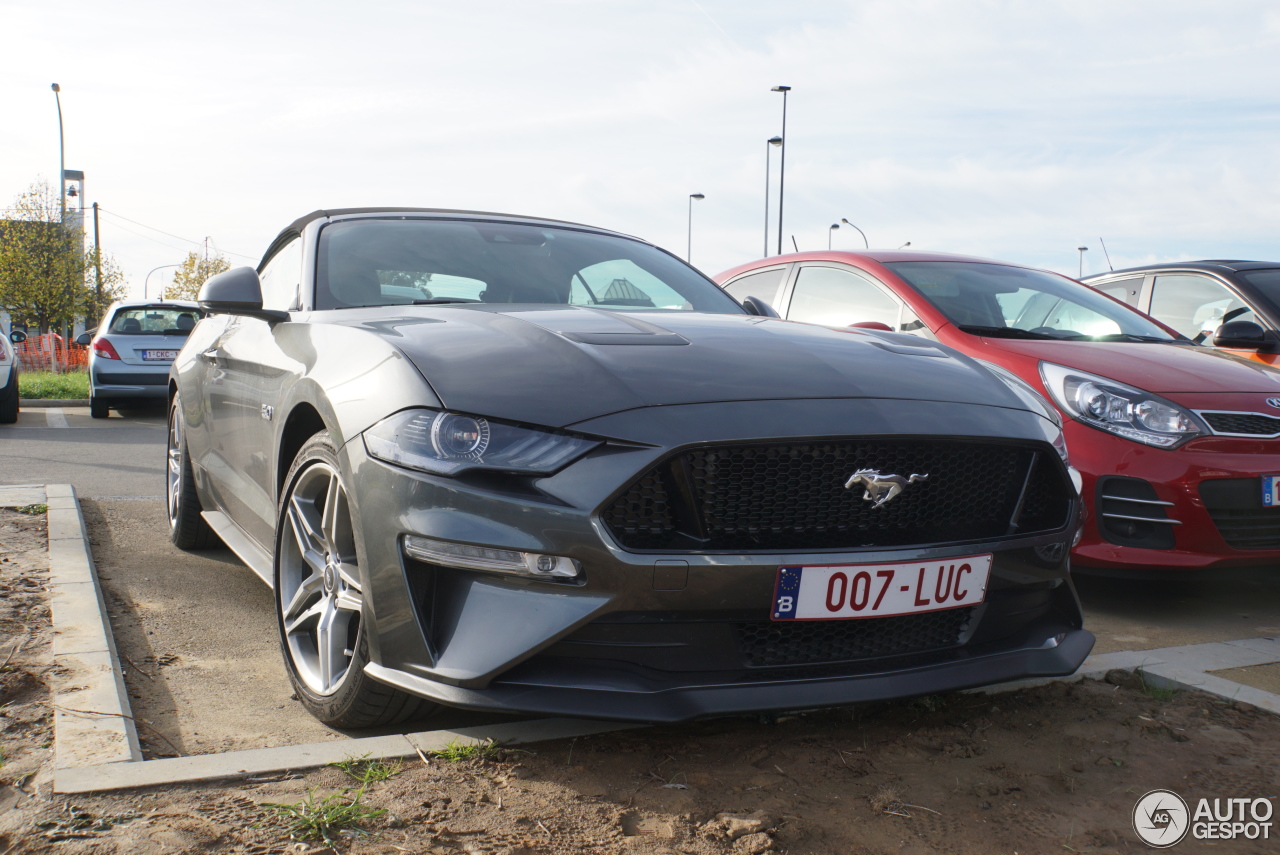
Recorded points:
(97, 263)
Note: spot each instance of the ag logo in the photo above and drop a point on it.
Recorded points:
(1161, 818)
(1274, 402)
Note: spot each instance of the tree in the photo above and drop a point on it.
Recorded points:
(192, 273)
(46, 277)
(41, 261)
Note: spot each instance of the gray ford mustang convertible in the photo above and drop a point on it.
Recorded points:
(501, 462)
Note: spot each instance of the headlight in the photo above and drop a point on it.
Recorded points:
(448, 443)
(1120, 409)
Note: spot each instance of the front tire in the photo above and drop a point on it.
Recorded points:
(98, 408)
(187, 528)
(320, 600)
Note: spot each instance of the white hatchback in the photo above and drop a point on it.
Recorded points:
(9, 364)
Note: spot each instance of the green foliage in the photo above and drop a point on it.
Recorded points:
(46, 276)
(44, 384)
(33, 510)
(456, 750)
(310, 819)
(1156, 693)
(369, 771)
(195, 269)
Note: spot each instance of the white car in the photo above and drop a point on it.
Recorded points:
(130, 353)
(9, 377)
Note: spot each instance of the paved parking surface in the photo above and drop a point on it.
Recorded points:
(198, 632)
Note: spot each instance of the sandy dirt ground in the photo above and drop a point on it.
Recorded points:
(1049, 770)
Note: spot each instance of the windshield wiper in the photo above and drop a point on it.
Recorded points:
(1135, 337)
(1012, 332)
(439, 301)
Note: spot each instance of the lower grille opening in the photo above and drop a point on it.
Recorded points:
(768, 644)
(1131, 514)
(1235, 504)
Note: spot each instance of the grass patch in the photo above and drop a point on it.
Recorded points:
(368, 771)
(33, 510)
(310, 819)
(46, 384)
(1157, 693)
(457, 751)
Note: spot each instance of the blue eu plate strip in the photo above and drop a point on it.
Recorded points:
(1270, 493)
(784, 596)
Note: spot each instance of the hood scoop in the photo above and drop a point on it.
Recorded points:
(591, 326)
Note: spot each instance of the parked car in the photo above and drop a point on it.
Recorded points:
(1177, 443)
(1234, 305)
(10, 368)
(501, 462)
(130, 353)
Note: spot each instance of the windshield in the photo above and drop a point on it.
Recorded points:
(1267, 281)
(373, 262)
(154, 320)
(1014, 302)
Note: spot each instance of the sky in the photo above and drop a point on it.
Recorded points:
(997, 128)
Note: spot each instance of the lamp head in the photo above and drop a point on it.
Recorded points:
(696, 196)
(56, 88)
(835, 225)
(775, 141)
(1082, 249)
(781, 89)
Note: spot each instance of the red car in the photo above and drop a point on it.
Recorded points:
(1178, 444)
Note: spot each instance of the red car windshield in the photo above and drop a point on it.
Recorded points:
(1014, 302)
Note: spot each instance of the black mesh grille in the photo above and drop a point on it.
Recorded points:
(772, 643)
(793, 496)
(1237, 510)
(1252, 424)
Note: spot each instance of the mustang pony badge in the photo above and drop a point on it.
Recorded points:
(881, 488)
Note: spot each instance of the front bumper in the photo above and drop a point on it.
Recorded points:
(629, 641)
(1209, 491)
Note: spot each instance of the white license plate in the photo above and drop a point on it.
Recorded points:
(842, 591)
(1271, 491)
(158, 355)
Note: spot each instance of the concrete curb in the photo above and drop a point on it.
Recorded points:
(36, 403)
(92, 719)
(96, 745)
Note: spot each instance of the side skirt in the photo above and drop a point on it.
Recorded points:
(245, 547)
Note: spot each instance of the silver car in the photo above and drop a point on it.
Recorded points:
(130, 354)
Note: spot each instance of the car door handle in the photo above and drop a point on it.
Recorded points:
(210, 355)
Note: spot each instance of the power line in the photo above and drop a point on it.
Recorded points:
(168, 234)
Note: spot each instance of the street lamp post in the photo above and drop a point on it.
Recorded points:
(689, 254)
(147, 281)
(1082, 250)
(782, 160)
(772, 142)
(858, 230)
(831, 231)
(62, 159)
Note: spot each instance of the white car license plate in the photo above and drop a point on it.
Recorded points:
(841, 591)
(1271, 491)
(159, 355)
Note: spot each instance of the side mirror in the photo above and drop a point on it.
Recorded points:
(84, 339)
(17, 336)
(237, 292)
(872, 325)
(1242, 335)
(756, 306)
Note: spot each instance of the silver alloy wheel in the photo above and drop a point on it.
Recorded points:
(173, 477)
(319, 579)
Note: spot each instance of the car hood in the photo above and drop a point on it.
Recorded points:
(1166, 369)
(557, 366)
